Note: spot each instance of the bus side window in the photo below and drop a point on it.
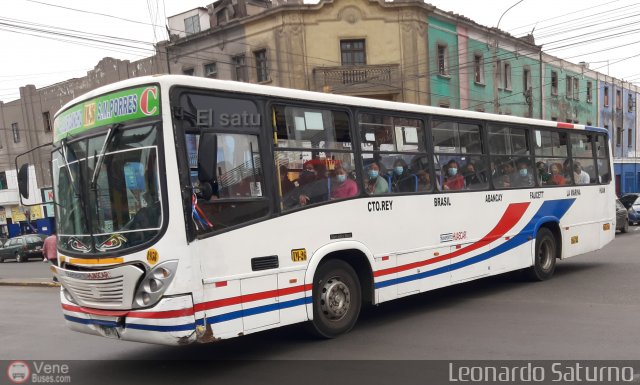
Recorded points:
(238, 193)
(511, 157)
(391, 147)
(313, 156)
(459, 156)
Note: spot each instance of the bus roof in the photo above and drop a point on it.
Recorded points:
(167, 81)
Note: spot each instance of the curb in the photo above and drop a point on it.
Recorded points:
(7, 282)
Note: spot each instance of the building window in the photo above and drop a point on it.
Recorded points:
(576, 89)
(221, 17)
(606, 96)
(526, 79)
(630, 103)
(443, 60)
(16, 132)
(554, 83)
(629, 138)
(3, 181)
(352, 52)
(507, 76)
(589, 92)
(46, 121)
(192, 25)
(239, 68)
(478, 69)
(618, 100)
(618, 137)
(211, 70)
(261, 65)
(569, 85)
(188, 71)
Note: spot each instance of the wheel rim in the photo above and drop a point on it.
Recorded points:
(335, 300)
(546, 254)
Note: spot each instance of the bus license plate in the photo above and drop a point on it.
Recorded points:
(299, 255)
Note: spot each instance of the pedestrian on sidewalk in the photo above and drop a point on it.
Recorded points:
(50, 251)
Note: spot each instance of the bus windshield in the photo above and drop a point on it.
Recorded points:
(115, 207)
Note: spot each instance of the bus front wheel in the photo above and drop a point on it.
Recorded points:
(544, 262)
(337, 299)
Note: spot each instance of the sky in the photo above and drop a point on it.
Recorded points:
(41, 46)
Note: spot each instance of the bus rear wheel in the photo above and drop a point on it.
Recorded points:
(337, 299)
(544, 262)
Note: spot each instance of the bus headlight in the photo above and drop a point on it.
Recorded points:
(154, 284)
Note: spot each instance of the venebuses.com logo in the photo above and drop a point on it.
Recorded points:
(18, 372)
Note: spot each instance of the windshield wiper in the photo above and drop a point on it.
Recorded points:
(100, 160)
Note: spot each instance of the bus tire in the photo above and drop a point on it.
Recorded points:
(544, 261)
(337, 299)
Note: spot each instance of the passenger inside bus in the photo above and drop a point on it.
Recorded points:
(343, 186)
(556, 175)
(543, 173)
(524, 177)
(313, 187)
(453, 180)
(375, 183)
(401, 178)
(472, 178)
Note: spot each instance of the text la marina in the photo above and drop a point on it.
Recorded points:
(554, 372)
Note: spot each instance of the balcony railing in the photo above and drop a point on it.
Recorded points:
(357, 79)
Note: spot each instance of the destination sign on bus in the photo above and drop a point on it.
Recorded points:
(108, 109)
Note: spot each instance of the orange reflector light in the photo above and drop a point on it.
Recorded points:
(221, 284)
(606, 227)
(436, 253)
(293, 280)
(385, 258)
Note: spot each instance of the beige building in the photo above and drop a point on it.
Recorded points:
(356, 47)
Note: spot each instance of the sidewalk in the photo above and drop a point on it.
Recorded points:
(42, 282)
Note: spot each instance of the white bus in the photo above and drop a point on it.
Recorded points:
(191, 210)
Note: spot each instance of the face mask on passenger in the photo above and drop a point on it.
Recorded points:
(341, 177)
(373, 174)
(524, 172)
(453, 171)
(398, 170)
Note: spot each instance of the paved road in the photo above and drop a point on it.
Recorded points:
(31, 269)
(589, 310)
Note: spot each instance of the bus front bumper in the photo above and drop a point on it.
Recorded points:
(170, 322)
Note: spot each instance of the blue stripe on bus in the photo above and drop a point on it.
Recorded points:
(257, 310)
(113, 324)
(553, 210)
(88, 321)
(163, 328)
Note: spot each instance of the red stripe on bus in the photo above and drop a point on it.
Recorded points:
(565, 125)
(134, 314)
(251, 297)
(511, 216)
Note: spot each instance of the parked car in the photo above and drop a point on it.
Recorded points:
(632, 202)
(22, 248)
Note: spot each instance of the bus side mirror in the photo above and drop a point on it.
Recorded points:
(207, 160)
(23, 180)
